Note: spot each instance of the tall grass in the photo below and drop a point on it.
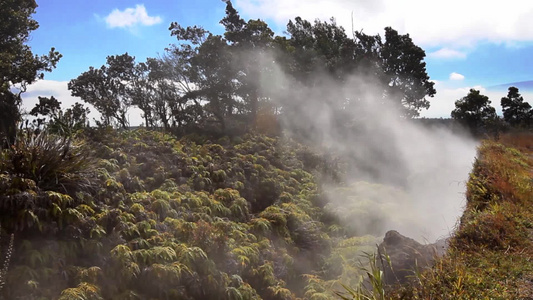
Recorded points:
(374, 287)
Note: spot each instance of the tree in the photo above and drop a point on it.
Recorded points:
(58, 121)
(395, 63)
(405, 72)
(108, 89)
(474, 111)
(515, 110)
(225, 70)
(321, 46)
(249, 42)
(142, 93)
(19, 67)
(207, 65)
(229, 72)
(175, 105)
(47, 107)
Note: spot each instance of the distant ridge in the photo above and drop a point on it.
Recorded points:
(522, 86)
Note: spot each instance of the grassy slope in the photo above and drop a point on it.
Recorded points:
(491, 255)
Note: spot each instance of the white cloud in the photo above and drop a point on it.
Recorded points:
(131, 17)
(447, 53)
(456, 76)
(452, 23)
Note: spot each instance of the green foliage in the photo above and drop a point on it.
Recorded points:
(474, 111)
(395, 63)
(65, 123)
(516, 112)
(51, 162)
(227, 84)
(147, 228)
(376, 286)
(106, 88)
(18, 65)
(84, 291)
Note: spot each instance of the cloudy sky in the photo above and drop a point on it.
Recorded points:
(469, 43)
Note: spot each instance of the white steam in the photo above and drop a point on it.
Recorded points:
(400, 174)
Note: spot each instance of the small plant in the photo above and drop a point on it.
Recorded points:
(52, 162)
(375, 289)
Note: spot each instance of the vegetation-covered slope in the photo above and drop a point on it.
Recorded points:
(145, 216)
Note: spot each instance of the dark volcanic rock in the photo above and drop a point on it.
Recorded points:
(406, 255)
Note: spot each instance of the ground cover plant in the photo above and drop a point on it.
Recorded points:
(147, 216)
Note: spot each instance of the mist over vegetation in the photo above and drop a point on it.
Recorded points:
(265, 168)
(425, 167)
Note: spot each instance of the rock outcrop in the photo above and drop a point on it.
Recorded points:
(406, 256)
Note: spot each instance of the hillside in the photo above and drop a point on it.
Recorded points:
(142, 215)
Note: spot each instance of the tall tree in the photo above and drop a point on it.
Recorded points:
(175, 103)
(322, 46)
(395, 63)
(142, 95)
(159, 89)
(108, 88)
(515, 110)
(474, 111)
(249, 44)
(208, 66)
(19, 67)
(405, 72)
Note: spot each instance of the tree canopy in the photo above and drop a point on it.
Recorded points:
(108, 88)
(18, 65)
(227, 82)
(474, 110)
(515, 110)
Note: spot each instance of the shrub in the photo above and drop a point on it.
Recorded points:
(52, 162)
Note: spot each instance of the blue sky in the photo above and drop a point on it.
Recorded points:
(468, 43)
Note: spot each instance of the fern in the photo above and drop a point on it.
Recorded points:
(84, 291)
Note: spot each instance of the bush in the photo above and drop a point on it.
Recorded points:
(53, 163)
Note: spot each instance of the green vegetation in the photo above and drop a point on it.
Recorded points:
(143, 215)
(516, 112)
(475, 113)
(18, 65)
(224, 212)
(245, 78)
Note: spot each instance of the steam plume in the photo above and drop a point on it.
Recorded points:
(400, 174)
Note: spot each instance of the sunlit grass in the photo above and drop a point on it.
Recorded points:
(491, 254)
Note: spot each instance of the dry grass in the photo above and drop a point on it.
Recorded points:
(491, 254)
(520, 140)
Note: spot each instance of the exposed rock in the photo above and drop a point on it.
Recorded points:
(406, 255)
